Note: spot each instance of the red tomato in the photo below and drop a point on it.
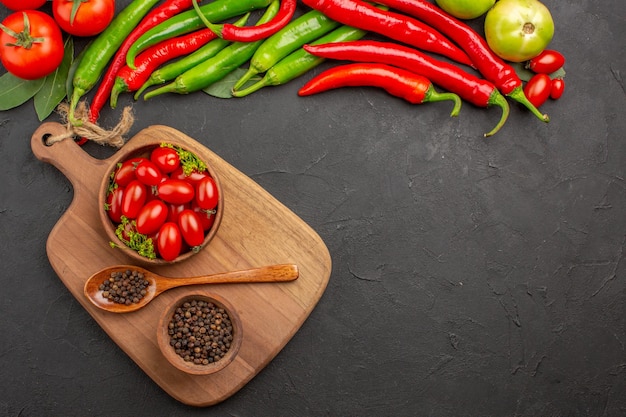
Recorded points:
(38, 52)
(537, 89)
(207, 195)
(175, 191)
(114, 202)
(193, 178)
(546, 62)
(169, 241)
(126, 172)
(207, 217)
(148, 173)
(166, 159)
(557, 88)
(91, 16)
(175, 210)
(151, 217)
(191, 227)
(23, 4)
(134, 199)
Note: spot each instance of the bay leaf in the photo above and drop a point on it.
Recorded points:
(15, 91)
(54, 90)
(223, 88)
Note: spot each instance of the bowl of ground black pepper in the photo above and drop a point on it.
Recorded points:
(200, 334)
(160, 202)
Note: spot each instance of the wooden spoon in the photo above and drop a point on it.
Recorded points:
(158, 284)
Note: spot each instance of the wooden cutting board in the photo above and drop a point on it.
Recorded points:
(256, 230)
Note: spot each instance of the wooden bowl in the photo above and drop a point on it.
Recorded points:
(143, 147)
(175, 359)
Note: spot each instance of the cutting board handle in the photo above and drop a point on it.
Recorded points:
(66, 155)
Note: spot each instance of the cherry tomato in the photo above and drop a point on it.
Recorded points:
(114, 202)
(175, 191)
(148, 173)
(191, 227)
(193, 178)
(23, 4)
(166, 159)
(207, 217)
(546, 62)
(207, 195)
(169, 241)
(39, 49)
(537, 89)
(557, 88)
(90, 16)
(134, 199)
(175, 210)
(151, 217)
(126, 172)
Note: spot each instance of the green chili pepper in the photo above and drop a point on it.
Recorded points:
(216, 68)
(296, 33)
(171, 71)
(299, 62)
(189, 21)
(99, 52)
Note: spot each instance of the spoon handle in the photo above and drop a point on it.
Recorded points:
(272, 273)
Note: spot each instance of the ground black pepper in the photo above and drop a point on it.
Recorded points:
(125, 287)
(200, 332)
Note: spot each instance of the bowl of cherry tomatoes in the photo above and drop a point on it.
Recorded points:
(161, 202)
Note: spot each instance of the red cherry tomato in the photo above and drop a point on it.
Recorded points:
(558, 86)
(148, 173)
(38, 51)
(193, 178)
(175, 210)
(23, 4)
(207, 217)
(546, 62)
(114, 203)
(207, 195)
(151, 217)
(134, 199)
(537, 89)
(90, 18)
(175, 191)
(166, 159)
(191, 227)
(126, 172)
(169, 241)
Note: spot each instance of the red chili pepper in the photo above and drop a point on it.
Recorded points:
(486, 62)
(129, 79)
(235, 33)
(398, 82)
(399, 27)
(469, 87)
(159, 14)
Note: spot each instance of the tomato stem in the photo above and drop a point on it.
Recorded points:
(23, 39)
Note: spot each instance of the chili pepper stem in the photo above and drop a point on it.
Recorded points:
(168, 88)
(244, 79)
(264, 82)
(76, 96)
(432, 95)
(119, 86)
(518, 95)
(499, 100)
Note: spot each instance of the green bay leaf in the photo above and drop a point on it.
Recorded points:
(54, 89)
(15, 91)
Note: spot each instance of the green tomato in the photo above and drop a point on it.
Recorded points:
(518, 30)
(466, 9)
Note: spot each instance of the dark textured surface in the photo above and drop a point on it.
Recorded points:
(470, 276)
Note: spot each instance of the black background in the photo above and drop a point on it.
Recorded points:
(471, 276)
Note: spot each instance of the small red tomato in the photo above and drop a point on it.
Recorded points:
(546, 62)
(151, 217)
(537, 89)
(134, 198)
(175, 191)
(207, 217)
(23, 4)
(84, 17)
(175, 210)
(193, 178)
(558, 86)
(126, 172)
(207, 195)
(148, 173)
(166, 159)
(169, 241)
(114, 203)
(191, 227)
